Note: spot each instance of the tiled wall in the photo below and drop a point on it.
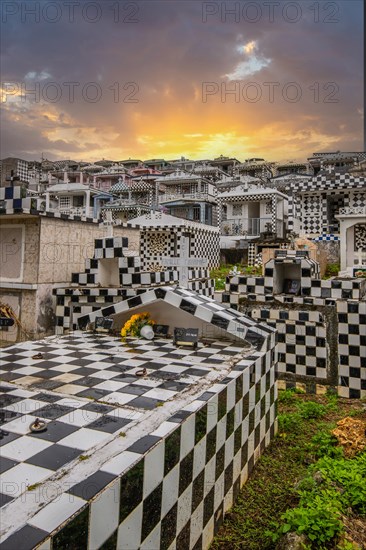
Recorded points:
(172, 488)
(310, 352)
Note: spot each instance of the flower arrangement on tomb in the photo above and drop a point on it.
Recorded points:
(133, 326)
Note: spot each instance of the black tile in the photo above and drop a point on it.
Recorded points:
(172, 450)
(168, 528)
(92, 485)
(220, 461)
(208, 506)
(111, 543)
(49, 398)
(54, 457)
(211, 444)
(6, 464)
(4, 499)
(230, 422)
(144, 444)
(222, 400)
(198, 490)
(74, 535)
(144, 403)
(151, 511)
(47, 385)
(27, 537)
(83, 371)
(7, 416)
(173, 385)
(6, 400)
(186, 472)
(53, 411)
(6, 437)
(55, 431)
(97, 407)
(109, 424)
(88, 381)
(92, 393)
(200, 424)
(179, 416)
(131, 489)
(183, 539)
(135, 389)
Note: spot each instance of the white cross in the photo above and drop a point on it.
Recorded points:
(108, 224)
(184, 262)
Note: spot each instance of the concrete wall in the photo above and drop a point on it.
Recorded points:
(44, 252)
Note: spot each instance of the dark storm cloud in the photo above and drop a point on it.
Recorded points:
(168, 53)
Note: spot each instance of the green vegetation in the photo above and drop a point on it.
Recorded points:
(222, 272)
(303, 483)
(332, 271)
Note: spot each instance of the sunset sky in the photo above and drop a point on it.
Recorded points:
(179, 58)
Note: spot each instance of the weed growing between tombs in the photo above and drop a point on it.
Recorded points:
(303, 483)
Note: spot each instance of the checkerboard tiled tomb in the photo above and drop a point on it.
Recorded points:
(167, 453)
(321, 331)
(112, 275)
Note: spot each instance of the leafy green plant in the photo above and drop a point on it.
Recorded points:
(311, 409)
(286, 396)
(289, 422)
(325, 444)
(319, 519)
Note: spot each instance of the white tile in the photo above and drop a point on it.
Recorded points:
(154, 469)
(23, 448)
(22, 393)
(110, 385)
(19, 425)
(67, 377)
(27, 370)
(55, 513)
(16, 480)
(153, 539)
(104, 516)
(170, 490)
(25, 406)
(120, 398)
(84, 439)
(64, 368)
(79, 417)
(70, 402)
(164, 429)
(103, 374)
(118, 464)
(129, 532)
(71, 389)
(160, 394)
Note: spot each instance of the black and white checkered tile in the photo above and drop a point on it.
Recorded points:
(202, 307)
(83, 365)
(302, 340)
(352, 348)
(308, 201)
(302, 334)
(172, 487)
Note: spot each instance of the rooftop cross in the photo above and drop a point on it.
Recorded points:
(184, 261)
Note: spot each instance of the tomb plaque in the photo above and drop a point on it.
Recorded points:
(186, 337)
(291, 286)
(6, 322)
(161, 330)
(103, 324)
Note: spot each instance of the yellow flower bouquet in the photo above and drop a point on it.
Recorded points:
(133, 326)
